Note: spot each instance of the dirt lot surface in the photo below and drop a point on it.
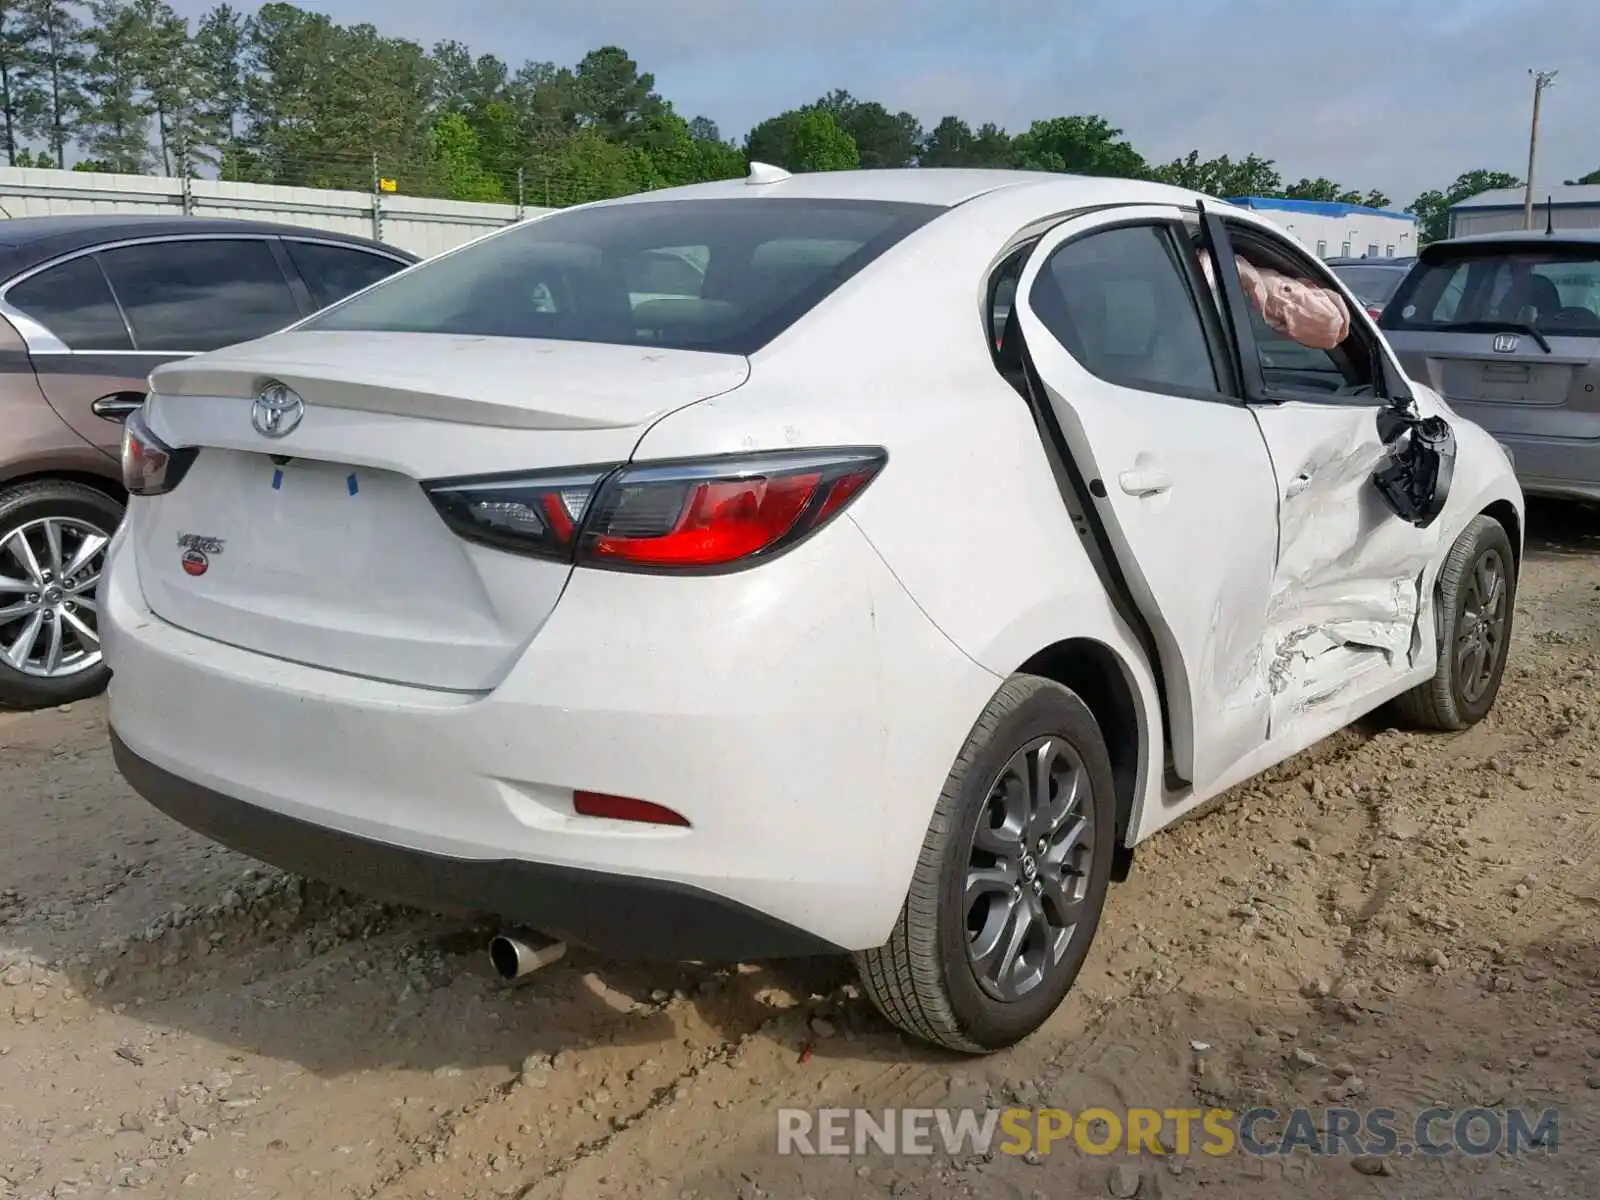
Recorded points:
(1391, 919)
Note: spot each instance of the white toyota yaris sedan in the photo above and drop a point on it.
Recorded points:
(845, 563)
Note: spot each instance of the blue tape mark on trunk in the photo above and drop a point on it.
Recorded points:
(277, 479)
(351, 483)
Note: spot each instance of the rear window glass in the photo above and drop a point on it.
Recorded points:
(1555, 290)
(719, 275)
(1372, 285)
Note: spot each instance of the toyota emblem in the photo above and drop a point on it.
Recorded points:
(277, 410)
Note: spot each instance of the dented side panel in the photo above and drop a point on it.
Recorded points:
(1342, 618)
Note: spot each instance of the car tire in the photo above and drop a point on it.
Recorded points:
(931, 979)
(1464, 686)
(77, 507)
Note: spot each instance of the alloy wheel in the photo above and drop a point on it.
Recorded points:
(1480, 642)
(49, 570)
(1028, 869)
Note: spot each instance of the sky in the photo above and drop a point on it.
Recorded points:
(1402, 95)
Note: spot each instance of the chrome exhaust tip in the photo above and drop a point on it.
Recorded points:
(517, 955)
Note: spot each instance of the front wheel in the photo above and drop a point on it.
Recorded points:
(53, 538)
(1477, 597)
(1008, 891)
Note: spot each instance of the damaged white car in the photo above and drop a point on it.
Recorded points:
(949, 534)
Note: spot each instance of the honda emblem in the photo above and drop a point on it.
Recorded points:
(1506, 343)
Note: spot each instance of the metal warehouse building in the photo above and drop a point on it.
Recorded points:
(1335, 230)
(1575, 206)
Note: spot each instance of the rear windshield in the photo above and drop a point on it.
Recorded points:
(1372, 285)
(720, 275)
(1556, 290)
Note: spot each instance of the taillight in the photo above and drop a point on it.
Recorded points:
(150, 467)
(1374, 311)
(704, 514)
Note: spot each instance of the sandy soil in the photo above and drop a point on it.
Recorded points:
(1391, 919)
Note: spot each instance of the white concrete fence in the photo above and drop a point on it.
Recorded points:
(423, 226)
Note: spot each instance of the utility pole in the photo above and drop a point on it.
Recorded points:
(1541, 80)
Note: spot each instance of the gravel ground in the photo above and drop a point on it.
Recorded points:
(1390, 919)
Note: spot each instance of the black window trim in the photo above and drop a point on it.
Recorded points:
(1167, 225)
(41, 340)
(1387, 386)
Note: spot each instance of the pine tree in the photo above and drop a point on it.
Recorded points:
(56, 38)
(116, 124)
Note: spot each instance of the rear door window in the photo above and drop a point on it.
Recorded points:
(74, 302)
(334, 272)
(200, 294)
(725, 276)
(1119, 301)
(1555, 290)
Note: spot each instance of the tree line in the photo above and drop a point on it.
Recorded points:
(288, 96)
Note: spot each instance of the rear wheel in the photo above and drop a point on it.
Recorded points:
(1477, 597)
(53, 537)
(1008, 890)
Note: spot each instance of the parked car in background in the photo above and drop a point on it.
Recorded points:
(88, 306)
(1506, 326)
(873, 589)
(1372, 280)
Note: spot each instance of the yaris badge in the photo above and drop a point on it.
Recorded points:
(277, 410)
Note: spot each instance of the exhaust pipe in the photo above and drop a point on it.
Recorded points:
(514, 956)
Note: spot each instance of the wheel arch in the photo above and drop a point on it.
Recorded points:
(1103, 681)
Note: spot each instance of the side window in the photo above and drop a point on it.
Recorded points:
(1121, 304)
(73, 302)
(334, 272)
(1288, 364)
(201, 294)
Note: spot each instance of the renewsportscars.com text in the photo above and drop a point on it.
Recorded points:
(1260, 1132)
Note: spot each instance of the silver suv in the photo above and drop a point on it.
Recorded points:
(1506, 326)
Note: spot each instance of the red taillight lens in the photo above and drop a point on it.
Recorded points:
(623, 808)
(149, 466)
(1374, 311)
(704, 514)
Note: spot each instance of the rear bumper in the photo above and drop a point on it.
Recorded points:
(1545, 465)
(802, 716)
(627, 917)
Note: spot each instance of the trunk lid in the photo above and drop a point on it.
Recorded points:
(320, 547)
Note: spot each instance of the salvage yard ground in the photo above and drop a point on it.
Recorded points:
(1391, 919)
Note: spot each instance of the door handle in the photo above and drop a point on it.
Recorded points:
(117, 405)
(1145, 483)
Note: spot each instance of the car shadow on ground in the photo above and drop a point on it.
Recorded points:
(1562, 529)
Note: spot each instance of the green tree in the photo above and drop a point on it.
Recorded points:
(954, 143)
(803, 139)
(456, 159)
(116, 120)
(1079, 145)
(883, 139)
(1326, 189)
(1221, 176)
(1591, 177)
(173, 86)
(466, 84)
(218, 52)
(20, 98)
(1432, 209)
(56, 35)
